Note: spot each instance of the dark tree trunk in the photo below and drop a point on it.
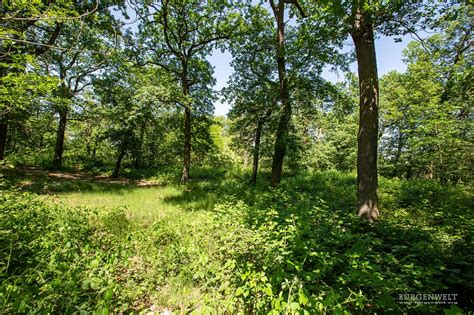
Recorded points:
(367, 196)
(59, 148)
(3, 120)
(283, 125)
(187, 130)
(3, 138)
(137, 159)
(118, 163)
(88, 148)
(187, 145)
(256, 151)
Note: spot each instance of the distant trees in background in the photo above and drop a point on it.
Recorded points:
(426, 121)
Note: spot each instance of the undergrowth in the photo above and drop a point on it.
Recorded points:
(222, 245)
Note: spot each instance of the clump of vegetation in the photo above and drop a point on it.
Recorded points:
(228, 246)
(54, 258)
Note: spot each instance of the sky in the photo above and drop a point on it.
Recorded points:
(389, 57)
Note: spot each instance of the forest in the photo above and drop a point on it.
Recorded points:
(122, 192)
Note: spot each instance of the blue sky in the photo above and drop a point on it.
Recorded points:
(389, 57)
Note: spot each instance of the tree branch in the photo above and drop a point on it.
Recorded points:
(298, 6)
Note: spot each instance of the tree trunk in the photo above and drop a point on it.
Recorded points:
(187, 145)
(117, 164)
(283, 125)
(3, 138)
(59, 148)
(398, 154)
(137, 159)
(187, 130)
(88, 148)
(4, 119)
(256, 151)
(367, 196)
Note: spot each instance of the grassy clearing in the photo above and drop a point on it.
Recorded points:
(222, 245)
(144, 204)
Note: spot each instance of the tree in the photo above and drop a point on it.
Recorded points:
(293, 74)
(360, 19)
(86, 48)
(21, 89)
(278, 9)
(17, 53)
(30, 29)
(177, 36)
(253, 89)
(362, 34)
(426, 127)
(131, 98)
(326, 125)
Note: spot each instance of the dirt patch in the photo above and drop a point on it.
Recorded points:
(26, 173)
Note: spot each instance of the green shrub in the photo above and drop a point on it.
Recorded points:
(54, 259)
(307, 251)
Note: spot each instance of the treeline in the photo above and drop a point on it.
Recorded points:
(99, 84)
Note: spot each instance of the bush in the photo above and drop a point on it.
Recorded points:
(305, 251)
(54, 259)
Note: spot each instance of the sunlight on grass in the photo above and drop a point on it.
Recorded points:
(142, 204)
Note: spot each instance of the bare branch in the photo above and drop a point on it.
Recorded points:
(298, 6)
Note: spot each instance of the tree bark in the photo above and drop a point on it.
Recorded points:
(367, 195)
(256, 151)
(398, 154)
(6, 59)
(187, 145)
(118, 163)
(283, 125)
(59, 148)
(3, 138)
(187, 130)
(137, 159)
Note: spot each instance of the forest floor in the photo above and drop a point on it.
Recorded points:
(32, 178)
(220, 244)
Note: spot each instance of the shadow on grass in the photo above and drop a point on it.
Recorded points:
(49, 182)
(422, 244)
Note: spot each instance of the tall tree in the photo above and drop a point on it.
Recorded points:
(18, 23)
(265, 63)
(278, 9)
(131, 98)
(32, 29)
(85, 48)
(253, 88)
(360, 19)
(177, 36)
(362, 34)
(425, 112)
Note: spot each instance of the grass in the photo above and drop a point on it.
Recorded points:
(220, 244)
(145, 204)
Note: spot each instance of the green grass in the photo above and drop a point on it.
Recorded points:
(145, 204)
(220, 244)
